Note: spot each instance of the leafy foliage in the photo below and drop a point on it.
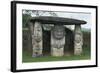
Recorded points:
(25, 19)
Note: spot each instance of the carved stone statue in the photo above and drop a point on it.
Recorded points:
(37, 40)
(57, 40)
(78, 40)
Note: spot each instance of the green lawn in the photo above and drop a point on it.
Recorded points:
(27, 57)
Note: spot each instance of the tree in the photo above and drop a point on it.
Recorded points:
(27, 14)
(25, 19)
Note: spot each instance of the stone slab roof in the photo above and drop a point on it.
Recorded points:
(57, 20)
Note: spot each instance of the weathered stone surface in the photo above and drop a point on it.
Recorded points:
(78, 40)
(57, 20)
(36, 39)
(57, 41)
(57, 52)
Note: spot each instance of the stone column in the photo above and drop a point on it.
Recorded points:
(78, 40)
(36, 39)
(57, 40)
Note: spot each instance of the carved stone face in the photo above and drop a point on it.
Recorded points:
(37, 32)
(58, 32)
(78, 38)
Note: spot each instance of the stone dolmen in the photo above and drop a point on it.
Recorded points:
(59, 40)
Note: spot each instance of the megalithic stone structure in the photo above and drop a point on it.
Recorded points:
(57, 34)
(57, 40)
(78, 40)
(36, 39)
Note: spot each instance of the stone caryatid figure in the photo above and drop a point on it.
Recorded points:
(78, 40)
(57, 40)
(37, 40)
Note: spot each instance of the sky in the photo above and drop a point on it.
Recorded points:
(75, 15)
(81, 16)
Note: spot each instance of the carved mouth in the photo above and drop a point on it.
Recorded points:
(38, 39)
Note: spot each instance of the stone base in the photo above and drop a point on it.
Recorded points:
(78, 51)
(57, 52)
(37, 53)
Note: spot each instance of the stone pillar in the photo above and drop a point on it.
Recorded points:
(78, 40)
(57, 40)
(36, 39)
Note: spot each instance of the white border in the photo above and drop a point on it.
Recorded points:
(35, 65)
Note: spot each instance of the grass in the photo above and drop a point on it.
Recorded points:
(27, 57)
